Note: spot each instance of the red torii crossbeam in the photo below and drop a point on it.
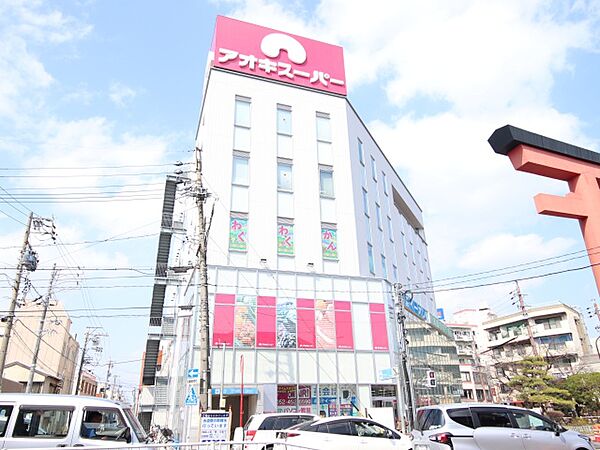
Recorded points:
(579, 167)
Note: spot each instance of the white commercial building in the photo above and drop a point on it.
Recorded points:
(311, 226)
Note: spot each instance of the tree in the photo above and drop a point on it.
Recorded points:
(585, 390)
(536, 386)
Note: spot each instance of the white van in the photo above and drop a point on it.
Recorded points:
(46, 420)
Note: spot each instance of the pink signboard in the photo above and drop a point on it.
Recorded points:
(378, 326)
(343, 325)
(306, 323)
(266, 322)
(224, 317)
(267, 53)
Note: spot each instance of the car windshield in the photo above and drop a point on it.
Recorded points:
(305, 426)
(136, 425)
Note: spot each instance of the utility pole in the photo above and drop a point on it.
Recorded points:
(201, 195)
(86, 340)
(114, 388)
(13, 301)
(528, 321)
(110, 364)
(403, 372)
(38, 342)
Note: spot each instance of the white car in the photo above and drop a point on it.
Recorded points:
(485, 426)
(344, 433)
(262, 428)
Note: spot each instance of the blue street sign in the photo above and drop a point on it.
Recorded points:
(191, 399)
(193, 374)
(235, 391)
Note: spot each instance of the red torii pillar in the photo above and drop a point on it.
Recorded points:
(533, 153)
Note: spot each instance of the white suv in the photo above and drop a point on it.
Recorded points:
(464, 426)
(262, 428)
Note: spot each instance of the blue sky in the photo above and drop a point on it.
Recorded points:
(94, 84)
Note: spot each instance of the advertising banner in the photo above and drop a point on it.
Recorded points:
(306, 323)
(238, 234)
(223, 323)
(378, 326)
(343, 325)
(285, 239)
(284, 57)
(286, 322)
(325, 324)
(329, 243)
(245, 321)
(266, 322)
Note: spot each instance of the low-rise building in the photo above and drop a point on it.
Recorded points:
(57, 358)
(476, 385)
(555, 332)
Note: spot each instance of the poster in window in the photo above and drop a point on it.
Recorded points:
(238, 234)
(329, 243)
(286, 322)
(378, 326)
(325, 324)
(285, 239)
(266, 322)
(223, 324)
(245, 321)
(306, 323)
(343, 325)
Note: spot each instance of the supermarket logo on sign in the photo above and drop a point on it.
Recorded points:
(259, 51)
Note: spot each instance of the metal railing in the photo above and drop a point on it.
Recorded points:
(225, 445)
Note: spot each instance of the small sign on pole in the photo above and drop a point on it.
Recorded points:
(193, 375)
(191, 399)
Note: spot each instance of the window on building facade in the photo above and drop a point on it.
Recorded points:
(365, 199)
(383, 266)
(390, 229)
(284, 176)
(371, 260)
(373, 169)
(361, 152)
(378, 216)
(549, 323)
(284, 131)
(240, 181)
(241, 133)
(465, 376)
(326, 181)
(395, 273)
(384, 181)
(323, 127)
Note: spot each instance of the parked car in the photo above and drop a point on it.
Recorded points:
(464, 426)
(261, 428)
(343, 433)
(46, 420)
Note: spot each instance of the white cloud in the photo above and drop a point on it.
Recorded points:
(120, 94)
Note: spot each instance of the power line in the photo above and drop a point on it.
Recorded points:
(97, 241)
(139, 174)
(178, 163)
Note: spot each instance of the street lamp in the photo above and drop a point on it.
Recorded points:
(597, 350)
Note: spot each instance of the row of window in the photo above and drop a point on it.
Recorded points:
(238, 237)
